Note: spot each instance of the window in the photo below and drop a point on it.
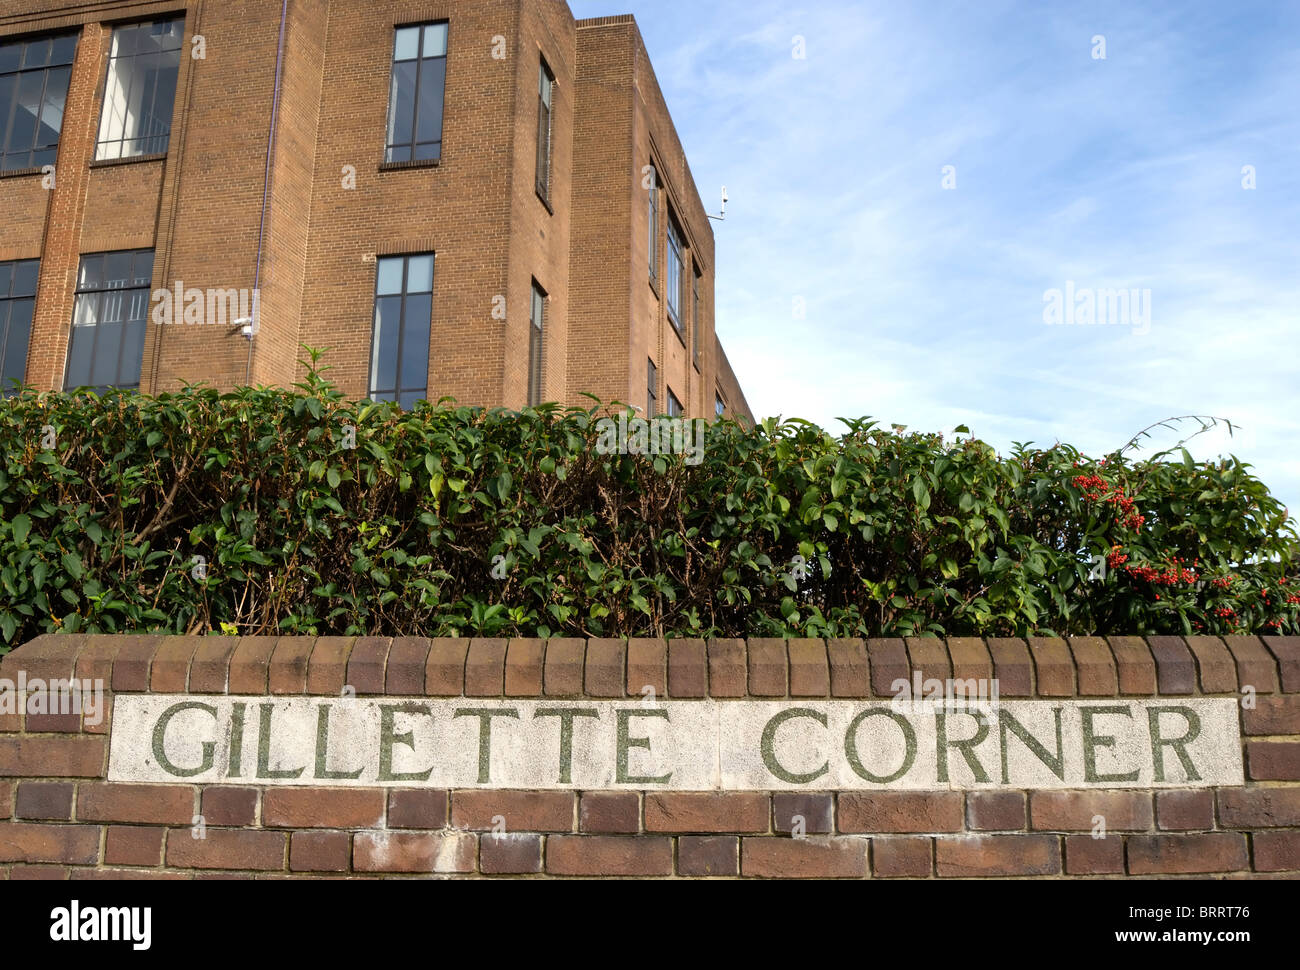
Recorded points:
(651, 383)
(106, 348)
(719, 406)
(536, 334)
(654, 225)
(546, 88)
(674, 405)
(399, 356)
(695, 318)
(141, 89)
(17, 301)
(676, 278)
(416, 98)
(33, 90)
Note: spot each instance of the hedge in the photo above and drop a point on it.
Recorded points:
(314, 514)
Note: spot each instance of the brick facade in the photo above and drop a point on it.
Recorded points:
(332, 207)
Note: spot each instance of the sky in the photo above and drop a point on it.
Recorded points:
(906, 196)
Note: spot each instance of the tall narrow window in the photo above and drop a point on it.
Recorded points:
(33, 91)
(696, 322)
(399, 355)
(676, 278)
(17, 301)
(415, 100)
(108, 320)
(653, 178)
(536, 336)
(545, 91)
(652, 380)
(140, 93)
(674, 405)
(719, 406)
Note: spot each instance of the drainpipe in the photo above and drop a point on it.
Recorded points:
(266, 191)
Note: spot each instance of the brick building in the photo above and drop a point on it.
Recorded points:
(482, 199)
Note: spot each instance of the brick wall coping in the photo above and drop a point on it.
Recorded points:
(680, 668)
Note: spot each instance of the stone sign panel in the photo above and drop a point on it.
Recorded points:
(675, 745)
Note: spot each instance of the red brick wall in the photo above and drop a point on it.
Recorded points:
(201, 206)
(207, 223)
(59, 211)
(619, 93)
(539, 248)
(60, 819)
(603, 253)
(655, 138)
(284, 266)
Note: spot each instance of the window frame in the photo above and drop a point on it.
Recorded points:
(652, 383)
(420, 61)
(695, 314)
(537, 345)
(396, 393)
(80, 290)
(654, 217)
(8, 299)
(545, 128)
(719, 405)
(675, 409)
(121, 141)
(8, 118)
(675, 289)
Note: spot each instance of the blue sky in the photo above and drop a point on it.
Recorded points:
(924, 306)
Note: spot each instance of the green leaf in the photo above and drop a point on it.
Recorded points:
(72, 563)
(21, 526)
(920, 493)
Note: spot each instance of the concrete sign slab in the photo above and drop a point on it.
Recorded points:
(675, 745)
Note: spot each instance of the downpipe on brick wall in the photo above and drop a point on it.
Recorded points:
(250, 329)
